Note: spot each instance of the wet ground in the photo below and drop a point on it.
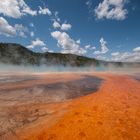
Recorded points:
(137, 78)
(13, 89)
(72, 106)
(22, 90)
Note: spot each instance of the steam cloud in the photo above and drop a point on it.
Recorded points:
(60, 68)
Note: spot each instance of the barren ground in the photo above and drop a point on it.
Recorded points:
(69, 106)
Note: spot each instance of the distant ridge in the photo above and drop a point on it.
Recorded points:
(16, 54)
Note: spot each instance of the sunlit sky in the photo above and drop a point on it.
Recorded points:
(102, 29)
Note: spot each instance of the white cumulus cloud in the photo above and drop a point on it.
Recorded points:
(137, 49)
(133, 56)
(111, 9)
(115, 54)
(8, 30)
(44, 11)
(89, 47)
(15, 8)
(44, 49)
(67, 44)
(56, 24)
(36, 43)
(66, 26)
(5, 28)
(21, 30)
(104, 49)
(78, 41)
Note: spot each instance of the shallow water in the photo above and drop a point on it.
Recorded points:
(45, 92)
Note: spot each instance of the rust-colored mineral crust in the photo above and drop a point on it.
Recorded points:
(111, 112)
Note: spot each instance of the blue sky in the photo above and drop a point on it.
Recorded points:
(103, 29)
